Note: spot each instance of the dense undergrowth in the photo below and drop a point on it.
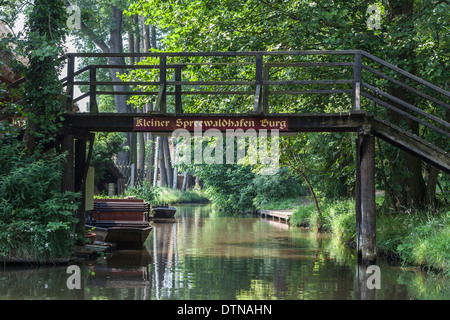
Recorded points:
(36, 218)
(162, 195)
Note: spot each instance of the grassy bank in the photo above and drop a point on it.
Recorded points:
(412, 238)
(167, 195)
(281, 203)
(163, 195)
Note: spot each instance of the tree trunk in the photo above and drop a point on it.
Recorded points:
(183, 186)
(150, 157)
(116, 46)
(413, 184)
(167, 162)
(145, 35)
(155, 172)
(162, 164)
(154, 37)
(430, 193)
(175, 171)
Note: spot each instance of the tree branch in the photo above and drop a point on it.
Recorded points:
(90, 34)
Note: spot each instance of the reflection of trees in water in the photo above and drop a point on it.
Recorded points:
(204, 256)
(165, 257)
(25, 283)
(123, 275)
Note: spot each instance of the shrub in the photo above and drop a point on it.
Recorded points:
(276, 187)
(144, 191)
(338, 217)
(302, 216)
(36, 219)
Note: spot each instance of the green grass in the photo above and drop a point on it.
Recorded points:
(167, 195)
(337, 217)
(281, 203)
(413, 237)
(416, 238)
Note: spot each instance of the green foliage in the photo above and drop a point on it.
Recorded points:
(233, 193)
(413, 36)
(416, 238)
(241, 190)
(167, 195)
(413, 237)
(105, 147)
(338, 217)
(144, 191)
(36, 219)
(162, 195)
(301, 215)
(279, 186)
(43, 45)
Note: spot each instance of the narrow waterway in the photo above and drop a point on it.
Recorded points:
(207, 255)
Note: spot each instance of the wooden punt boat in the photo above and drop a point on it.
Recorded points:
(124, 235)
(164, 212)
(123, 222)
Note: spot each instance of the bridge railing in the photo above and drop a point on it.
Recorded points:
(402, 93)
(255, 77)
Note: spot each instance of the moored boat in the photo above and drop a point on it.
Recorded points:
(124, 223)
(164, 212)
(123, 235)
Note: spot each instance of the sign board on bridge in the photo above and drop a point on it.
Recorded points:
(205, 123)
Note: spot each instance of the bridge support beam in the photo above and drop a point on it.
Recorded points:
(80, 168)
(365, 197)
(75, 170)
(67, 183)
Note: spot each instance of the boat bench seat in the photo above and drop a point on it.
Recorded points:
(120, 211)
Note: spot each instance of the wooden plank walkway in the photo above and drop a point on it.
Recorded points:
(277, 214)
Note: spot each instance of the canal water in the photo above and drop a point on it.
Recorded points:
(206, 255)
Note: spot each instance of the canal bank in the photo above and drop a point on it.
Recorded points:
(413, 238)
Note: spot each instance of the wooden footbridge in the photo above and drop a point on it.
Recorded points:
(257, 85)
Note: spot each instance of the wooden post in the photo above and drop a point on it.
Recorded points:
(80, 163)
(258, 82)
(79, 177)
(80, 169)
(67, 183)
(357, 82)
(92, 90)
(178, 106)
(358, 195)
(70, 79)
(362, 289)
(367, 224)
(162, 87)
(265, 97)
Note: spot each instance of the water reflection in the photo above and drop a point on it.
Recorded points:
(206, 255)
